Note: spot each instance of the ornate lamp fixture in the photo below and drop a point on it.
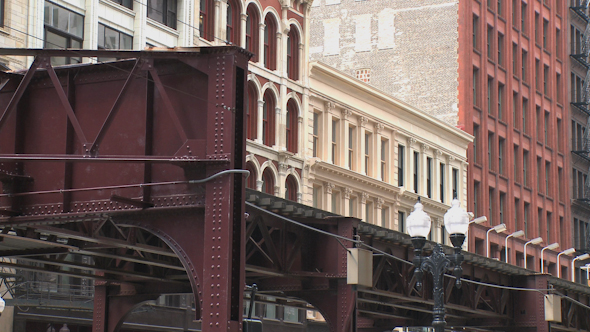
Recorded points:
(456, 224)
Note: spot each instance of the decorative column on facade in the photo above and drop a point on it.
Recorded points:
(261, 28)
(436, 195)
(185, 31)
(347, 212)
(139, 25)
(300, 65)
(363, 212)
(279, 135)
(378, 217)
(243, 21)
(329, 188)
(450, 177)
(220, 22)
(91, 27)
(279, 55)
(283, 168)
(259, 184)
(423, 171)
(259, 121)
(361, 141)
(392, 160)
(326, 133)
(344, 146)
(409, 171)
(376, 152)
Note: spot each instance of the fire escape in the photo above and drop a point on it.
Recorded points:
(581, 138)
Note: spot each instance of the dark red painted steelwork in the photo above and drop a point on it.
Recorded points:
(176, 109)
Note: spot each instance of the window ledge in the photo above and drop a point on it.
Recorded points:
(162, 26)
(118, 7)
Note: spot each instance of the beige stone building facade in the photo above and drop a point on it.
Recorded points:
(370, 155)
(13, 28)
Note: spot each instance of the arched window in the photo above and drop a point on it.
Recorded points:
(252, 177)
(268, 119)
(291, 126)
(268, 182)
(206, 19)
(252, 31)
(232, 23)
(251, 112)
(291, 188)
(293, 54)
(270, 43)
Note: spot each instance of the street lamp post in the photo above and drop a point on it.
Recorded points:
(549, 247)
(536, 240)
(515, 234)
(565, 252)
(456, 224)
(499, 229)
(581, 257)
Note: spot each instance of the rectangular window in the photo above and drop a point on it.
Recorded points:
(476, 199)
(109, 38)
(538, 74)
(63, 29)
(442, 182)
(500, 7)
(514, 59)
(400, 165)
(548, 221)
(475, 32)
(539, 123)
(515, 160)
(416, 170)
(525, 166)
(316, 130)
(537, 28)
(514, 13)
(490, 92)
(369, 212)
(524, 64)
(367, 153)
(500, 49)
(429, 177)
(125, 3)
(502, 206)
(523, 16)
(475, 86)
(525, 106)
(546, 128)
(491, 207)
(163, 11)
(516, 218)
(500, 101)
(334, 153)
(351, 206)
(559, 135)
(515, 116)
(501, 157)
(490, 42)
(546, 80)
(384, 153)
(545, 33)
(401, 218)
(540, 221)
(476, 142)
(490, 151)
(558, 88)
(317, 190)
(539, 170)
(455, 183)
(574, 183)
(548, 178)
(2, 9)
(560, 181)
(557, 43)
(527, 233)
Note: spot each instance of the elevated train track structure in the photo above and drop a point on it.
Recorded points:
(130, 173)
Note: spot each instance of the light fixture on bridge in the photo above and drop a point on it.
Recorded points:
(536, 240)
(499, 229)
(456, 224)
(581, 258)
(478, 220)
(549, 247)
(565, 252)
(515, 234)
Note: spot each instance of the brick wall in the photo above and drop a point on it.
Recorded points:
(410, 47)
